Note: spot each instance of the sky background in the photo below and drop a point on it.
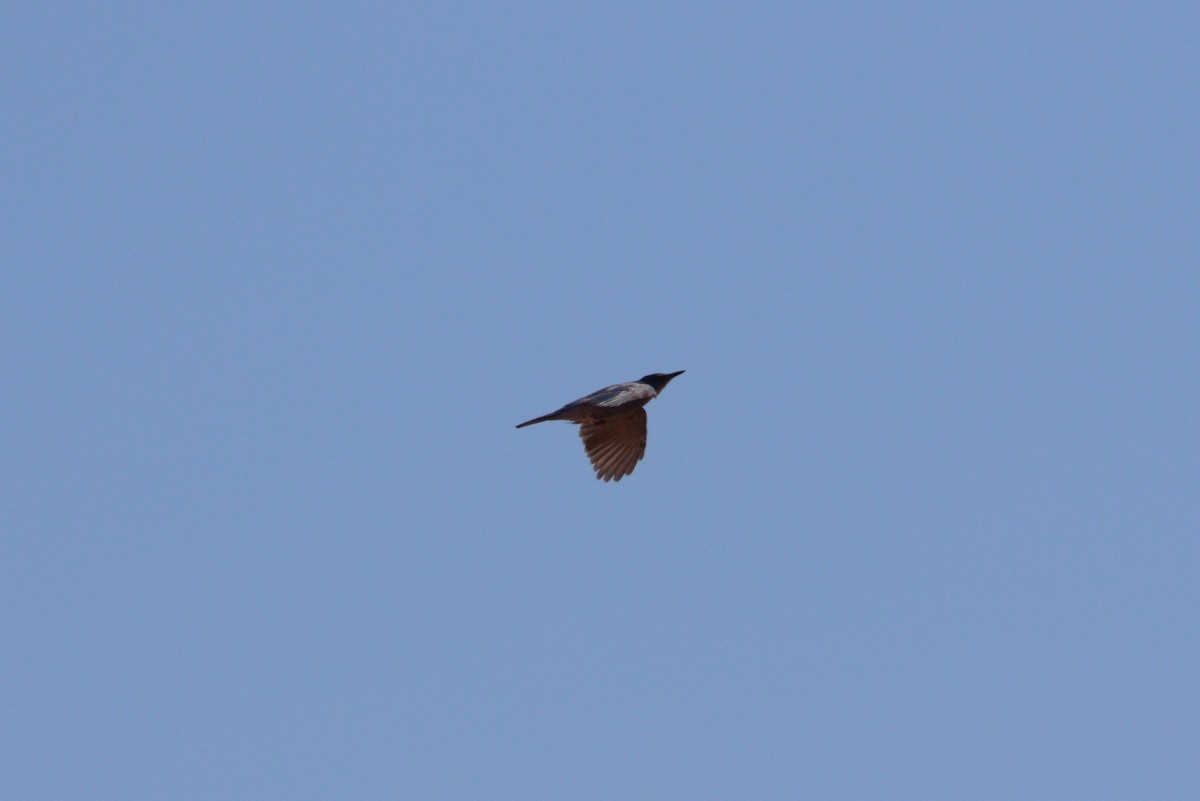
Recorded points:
(919, 522)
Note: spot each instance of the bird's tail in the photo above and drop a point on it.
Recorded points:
(542, 419)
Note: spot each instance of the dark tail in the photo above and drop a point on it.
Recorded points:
(541, 419)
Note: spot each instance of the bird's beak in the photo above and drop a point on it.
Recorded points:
(672, 375)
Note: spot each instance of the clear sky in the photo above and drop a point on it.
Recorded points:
(919, 521)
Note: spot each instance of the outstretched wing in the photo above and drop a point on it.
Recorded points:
(615, 445)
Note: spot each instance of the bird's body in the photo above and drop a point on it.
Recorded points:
(612, 423)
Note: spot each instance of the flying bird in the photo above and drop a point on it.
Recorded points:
(612, 423)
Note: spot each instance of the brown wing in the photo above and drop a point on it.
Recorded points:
(616, 445)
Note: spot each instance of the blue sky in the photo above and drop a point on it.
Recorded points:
(919, 521)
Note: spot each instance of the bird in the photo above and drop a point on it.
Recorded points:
(612, 423)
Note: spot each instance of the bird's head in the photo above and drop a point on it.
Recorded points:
(660, 380)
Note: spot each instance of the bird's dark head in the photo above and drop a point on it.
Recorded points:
(660, 380)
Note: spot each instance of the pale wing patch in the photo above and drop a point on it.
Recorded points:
(619, 395)
(615, 446)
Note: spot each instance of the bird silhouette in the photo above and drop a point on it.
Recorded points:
(612, 423)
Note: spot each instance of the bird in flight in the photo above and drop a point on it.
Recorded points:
(612, 423)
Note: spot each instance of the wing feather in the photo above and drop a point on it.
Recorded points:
(616, 445)
(619, 395)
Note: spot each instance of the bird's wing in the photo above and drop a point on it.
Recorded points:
(618, 395)
(616, 445)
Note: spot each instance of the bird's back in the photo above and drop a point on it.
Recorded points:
(634, 392)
